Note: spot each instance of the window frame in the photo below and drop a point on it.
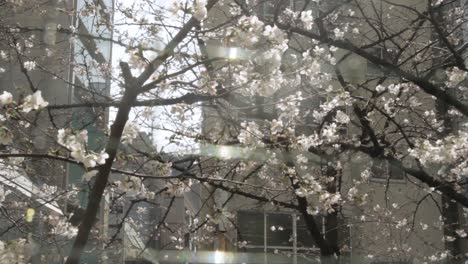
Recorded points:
(387, 171)
(380, 71)
(266, 248)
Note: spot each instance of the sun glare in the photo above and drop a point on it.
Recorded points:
(219, 257)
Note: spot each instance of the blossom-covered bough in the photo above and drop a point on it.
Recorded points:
(322, 109)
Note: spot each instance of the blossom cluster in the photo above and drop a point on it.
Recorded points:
(129, 133)
(63, 228)
(133, 187)
(176, 187)
(341, 99)
(31, 102)
(448, 155)
(199, 10)
(251, 134)
(3, 194)
(76, 142)
(455, 76)
(447, 150)
(14, 251)
(265, 44)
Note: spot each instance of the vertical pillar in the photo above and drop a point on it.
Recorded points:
(294, 233)
(265, 232)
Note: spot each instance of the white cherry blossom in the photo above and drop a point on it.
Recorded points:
(307, 19)
(3, 194)
(342, 117)
(34, 102)
(64, 228)
(76, 143)
(274, 34)
(6, 98)
(90, 174)
(251, 134)
(461, 233)
(276, 126)
(130, 132)
(29, 65)
(176, 187)
(199, 10)
(455, 76)
(394, 88)
(339, 34)
(380, 88)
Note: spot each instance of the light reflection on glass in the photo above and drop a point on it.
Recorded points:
(233, 53)
(219, 257)
(224, 152)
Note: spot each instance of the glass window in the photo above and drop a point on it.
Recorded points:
(268, 9)
(396, 172)
(391, 262)
(382, 169)
(300, 5)
(108, 3)
(99, 87)
(379, 169)
(87, 69)
(95, 25)
(279, 256)
(251, 227)
(375, 70)
(279, 230)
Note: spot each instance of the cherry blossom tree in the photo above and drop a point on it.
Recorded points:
(312, 107)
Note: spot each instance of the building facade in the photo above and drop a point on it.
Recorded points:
(394, 198)
(62, 49)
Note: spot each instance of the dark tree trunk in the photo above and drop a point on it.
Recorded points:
(331, 219)
(451, 223)
(450, 214)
